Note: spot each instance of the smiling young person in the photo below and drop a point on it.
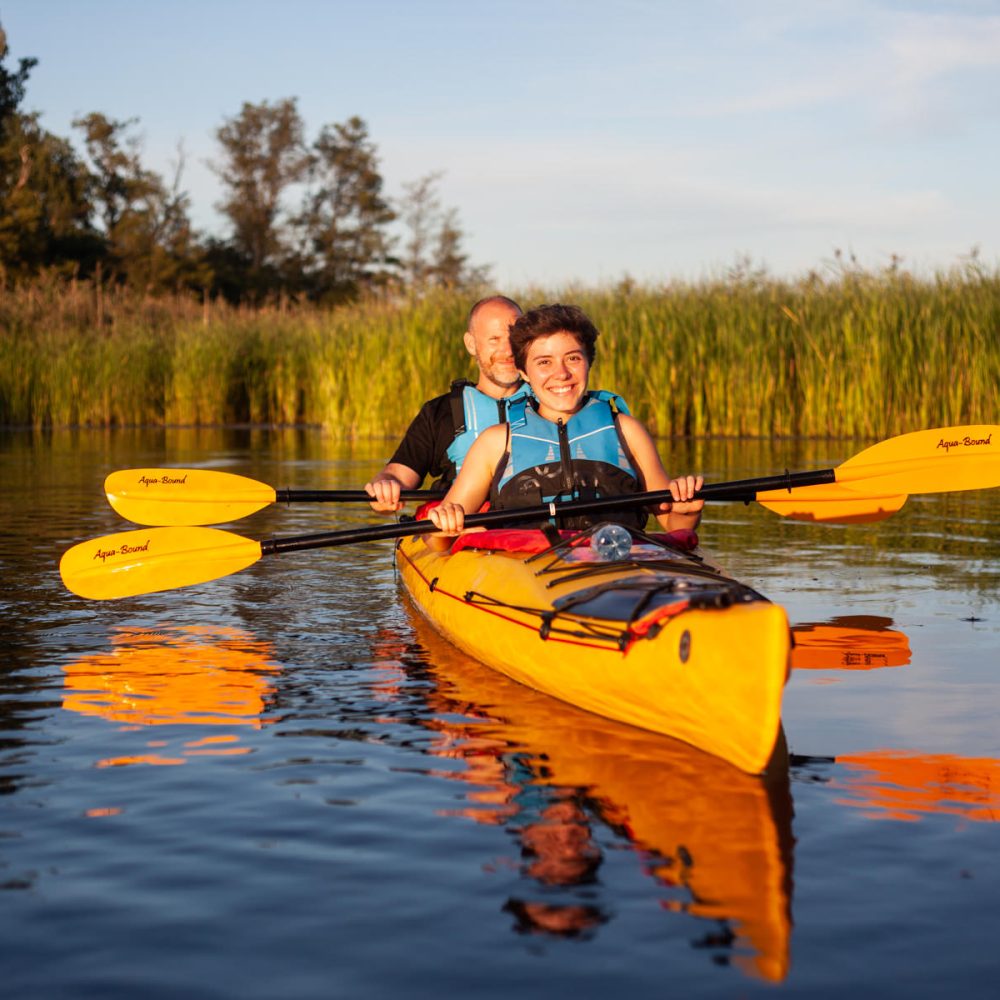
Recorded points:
(565, 441)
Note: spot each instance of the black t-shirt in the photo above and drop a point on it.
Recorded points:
(424, 447)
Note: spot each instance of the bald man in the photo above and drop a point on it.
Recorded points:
(438, 439)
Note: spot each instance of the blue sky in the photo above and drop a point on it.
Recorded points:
(582, 141)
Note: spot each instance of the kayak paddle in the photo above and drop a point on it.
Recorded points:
(202, 496)
(153, 559)
(870, 486)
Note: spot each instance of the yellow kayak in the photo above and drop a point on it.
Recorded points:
(656, 638)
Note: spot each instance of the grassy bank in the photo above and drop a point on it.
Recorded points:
(864, 355)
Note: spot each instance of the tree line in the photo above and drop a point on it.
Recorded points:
(307, 220)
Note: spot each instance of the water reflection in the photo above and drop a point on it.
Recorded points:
(907, 786)
(175, 676)
(849, 642)
(717, 842)
(595, 830)
(890, 783)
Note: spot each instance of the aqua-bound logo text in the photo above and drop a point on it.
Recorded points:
(123, 550)
(967, 442)
(163, 480)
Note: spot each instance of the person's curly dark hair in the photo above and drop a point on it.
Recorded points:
(543, 321)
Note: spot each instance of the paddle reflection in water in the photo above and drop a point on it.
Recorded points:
(717, 839)
(898, 785)
(849, 642)
(174, 676)
(890, 783)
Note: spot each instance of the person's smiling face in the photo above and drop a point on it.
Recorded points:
(488, 339)
(557, 369)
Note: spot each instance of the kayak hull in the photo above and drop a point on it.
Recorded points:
(711, 675)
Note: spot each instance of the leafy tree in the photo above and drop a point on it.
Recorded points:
(188, 262)
(263, 156)
(118, 182)
(73, 214)
(345, 216)
(149, 243)
(419, 208)
(11, 84)
(433, 253)
(228, 268)
(450, 264)
(44, 214)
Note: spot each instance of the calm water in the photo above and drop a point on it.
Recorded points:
(284, 784)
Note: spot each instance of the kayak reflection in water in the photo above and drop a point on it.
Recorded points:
(565, 442)
(559, 851)
(551, 823)
(563, 784)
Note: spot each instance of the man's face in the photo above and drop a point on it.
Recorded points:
(488, 339)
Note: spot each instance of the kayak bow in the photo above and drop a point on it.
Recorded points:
(658, 639)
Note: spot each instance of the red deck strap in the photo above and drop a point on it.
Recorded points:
(642, 627)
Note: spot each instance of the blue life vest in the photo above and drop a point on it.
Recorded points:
(473, 411)
(582, 459)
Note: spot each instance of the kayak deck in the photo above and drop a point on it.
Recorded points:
(658, 639)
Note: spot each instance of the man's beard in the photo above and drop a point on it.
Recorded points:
(490, 377)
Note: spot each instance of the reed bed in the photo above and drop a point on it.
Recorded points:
(862, 355)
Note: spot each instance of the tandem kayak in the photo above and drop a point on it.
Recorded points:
(655, 636)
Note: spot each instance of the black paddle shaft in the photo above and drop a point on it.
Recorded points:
(347, 496)
(745, 489)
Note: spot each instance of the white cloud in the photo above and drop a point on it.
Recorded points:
(900, 65)
(927, 47)
(925, 55)
(644, 181)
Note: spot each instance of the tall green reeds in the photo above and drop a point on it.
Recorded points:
(862, 355)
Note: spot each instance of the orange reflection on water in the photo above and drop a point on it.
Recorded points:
(386, 652)
(849, 642)
(893, 784)
(718, 839)
(211, 746)
(174, 675)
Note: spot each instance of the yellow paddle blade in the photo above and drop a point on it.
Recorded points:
(152, 559)
(944, 459)
(184, 496)
(831, 504)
